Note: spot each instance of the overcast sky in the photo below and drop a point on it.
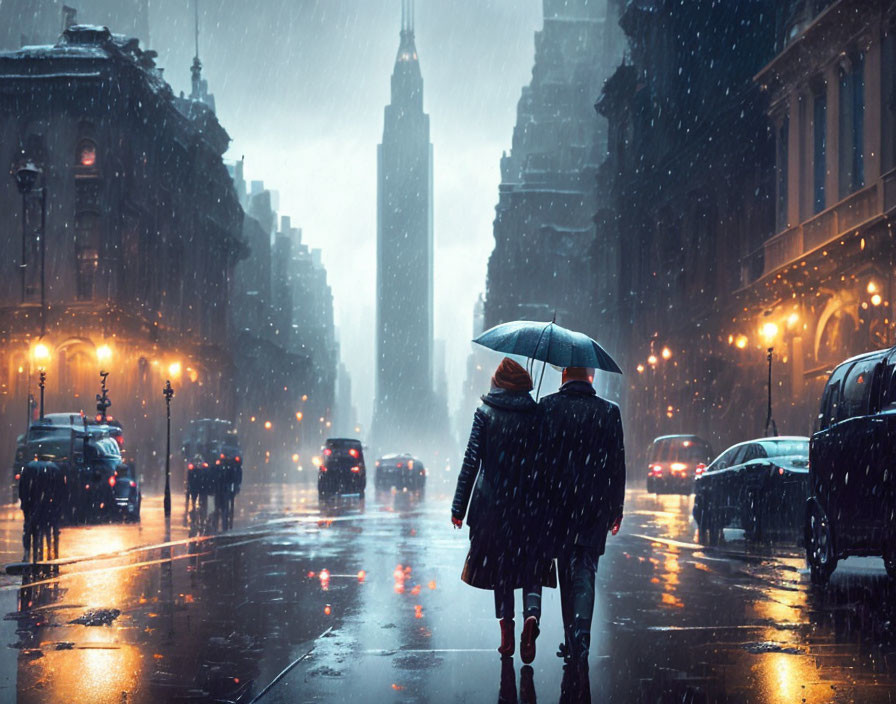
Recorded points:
(300, 85)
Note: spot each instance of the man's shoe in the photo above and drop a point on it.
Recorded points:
(507, 637)
(527, 639)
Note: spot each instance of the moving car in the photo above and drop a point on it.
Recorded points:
(674, 460)
(851, 461)
(89, 455)
(342, 468)
(760, 485)
(401, 471)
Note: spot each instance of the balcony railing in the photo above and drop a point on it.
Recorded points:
(826, 227)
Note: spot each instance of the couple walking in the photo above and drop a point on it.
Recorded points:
(543, 482)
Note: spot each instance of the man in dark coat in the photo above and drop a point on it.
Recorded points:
(583, 450)
(501, 475)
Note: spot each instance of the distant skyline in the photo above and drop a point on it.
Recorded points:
(300, 86)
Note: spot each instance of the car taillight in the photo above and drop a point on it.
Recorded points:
(780, 470)
(699, 469)
(356, 469)
(205, 465)
(18, 476)
(133, 484)
(112, 481)
(656, 468)
(400, 465)
(237, 459)
(191, 466)
(328, 452)
(218, 462)
(678, 467)
(353, 452)
(222, 455)
(323, 468)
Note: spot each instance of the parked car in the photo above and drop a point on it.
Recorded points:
(401, 471)
(342, 468)
(126, 490)
(673, 461)
(851, 463)
(760, 486)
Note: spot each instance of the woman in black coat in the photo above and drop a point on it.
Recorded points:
(506, 509)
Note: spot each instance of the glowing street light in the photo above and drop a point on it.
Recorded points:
(268, 425)
(876, 300)
(769, 332)
(174, 369)
(741, 342)
(299, 416)
(41, 354)
(652, 360)
(666, 353)
(872, 287)
(640, 368)
(103, 353)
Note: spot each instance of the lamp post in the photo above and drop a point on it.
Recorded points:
(169, 393)
(42, 383)
(26, 178)
(769, 333)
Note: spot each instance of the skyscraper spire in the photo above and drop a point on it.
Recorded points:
(407, 16)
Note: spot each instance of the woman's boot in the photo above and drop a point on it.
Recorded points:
(507, 638)
(527, 639)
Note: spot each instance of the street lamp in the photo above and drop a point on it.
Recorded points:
(169, 393)
(769, 332)
(41, 354)
(27, 177)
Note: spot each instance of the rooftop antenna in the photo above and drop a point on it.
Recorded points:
(196, 69)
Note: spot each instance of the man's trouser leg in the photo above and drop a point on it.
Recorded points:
(577, 568)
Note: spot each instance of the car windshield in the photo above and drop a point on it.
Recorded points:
(680, 450)
(48, 444)
(105, 448)
(783, 448)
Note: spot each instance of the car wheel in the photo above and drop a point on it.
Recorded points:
(820, 553)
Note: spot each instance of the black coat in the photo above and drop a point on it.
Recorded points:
(505, 491)
(584, 454)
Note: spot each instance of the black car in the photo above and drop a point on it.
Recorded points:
(673, 461)
(90, 459)
(760, 485)
(851, 461)
(342, 468)
(126, 492)
(401, 471)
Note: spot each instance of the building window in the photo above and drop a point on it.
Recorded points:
(852, 127)
(819, 147)
(888, 102)
(782, 160)
(86, 154)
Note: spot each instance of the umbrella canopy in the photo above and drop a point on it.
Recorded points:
(548, 342)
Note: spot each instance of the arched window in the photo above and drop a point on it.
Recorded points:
(86, 154)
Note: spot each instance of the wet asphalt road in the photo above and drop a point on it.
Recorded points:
(217, 618)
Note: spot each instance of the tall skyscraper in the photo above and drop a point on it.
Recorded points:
(404, 382)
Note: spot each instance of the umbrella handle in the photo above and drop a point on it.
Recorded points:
(541, 379)
(545, 362)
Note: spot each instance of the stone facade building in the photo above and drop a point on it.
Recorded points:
(543, 225)
(142, 232)
(745, 204)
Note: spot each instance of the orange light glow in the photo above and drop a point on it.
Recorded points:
(362, 575)
(327, 610)
(268, 425)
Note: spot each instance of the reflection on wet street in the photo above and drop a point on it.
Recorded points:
(361, 601)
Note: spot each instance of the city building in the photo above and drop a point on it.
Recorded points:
(543, 226)
(405, 400)
(284, 345)
(744, 207)
(127, 268)
(820, 289)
